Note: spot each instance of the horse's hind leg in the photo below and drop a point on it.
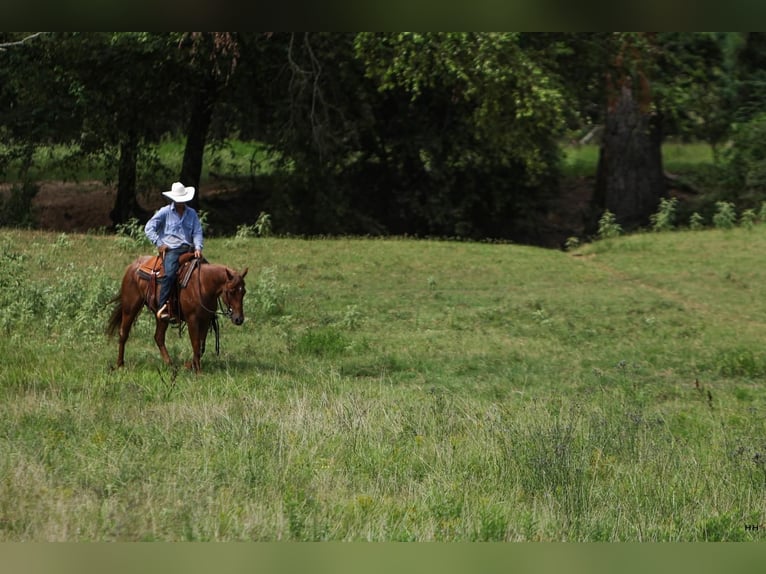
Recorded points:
(129, 313)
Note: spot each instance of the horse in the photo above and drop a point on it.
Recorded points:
(207, 287)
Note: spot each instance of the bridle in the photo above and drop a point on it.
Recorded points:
(226, 311)
(225, 295)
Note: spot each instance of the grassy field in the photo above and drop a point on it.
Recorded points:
(582, 160)
(394, 390)
(237, 158)
(157, 164)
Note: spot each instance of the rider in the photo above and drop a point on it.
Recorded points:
(175, 229)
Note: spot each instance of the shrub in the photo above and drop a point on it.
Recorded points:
(748, 219)
(608, 226)
(746, 159)
(664, 219)
(269, 294)
(131, 234)
(725, 216)
(696, 221)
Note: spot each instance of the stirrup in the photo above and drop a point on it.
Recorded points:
(163, 313)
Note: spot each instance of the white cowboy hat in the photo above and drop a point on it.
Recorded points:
(179, 193)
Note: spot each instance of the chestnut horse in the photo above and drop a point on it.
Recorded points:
(208, 287)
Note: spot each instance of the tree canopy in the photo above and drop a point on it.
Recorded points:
(449, 134)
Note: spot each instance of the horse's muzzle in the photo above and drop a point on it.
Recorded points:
(238, 319)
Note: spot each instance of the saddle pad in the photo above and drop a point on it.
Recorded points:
(153, 265)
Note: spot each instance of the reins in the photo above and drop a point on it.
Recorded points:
(214, 322)
(226, 313)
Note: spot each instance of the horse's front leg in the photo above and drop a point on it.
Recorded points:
(159, 338)
(196, 336)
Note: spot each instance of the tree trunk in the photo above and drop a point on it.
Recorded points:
(126, 204)
(630, 179)
(196, 136)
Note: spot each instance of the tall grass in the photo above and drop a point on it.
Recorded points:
(394, 390)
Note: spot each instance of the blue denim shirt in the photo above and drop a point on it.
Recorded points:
(166, 228)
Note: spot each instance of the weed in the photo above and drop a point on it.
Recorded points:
(608, 226)
(352, 317)
(269, 295)
(245, 231)
(725, 216)
(263, 225)
(696, 222)
(261, 228)
(664, 218)
(131, 235)
(748, 219)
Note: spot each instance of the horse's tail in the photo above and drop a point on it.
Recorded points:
(116, 319)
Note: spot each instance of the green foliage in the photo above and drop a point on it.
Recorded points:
(263, 225)
(261, 228)
(572, 243)
(745, 159)
(69, 302)
(664, 218)
(725, 216)
(748, 218)
(422, 62)
(608, 227)
(269, 294)
(325, 342)
(131, 235)
(696, 222)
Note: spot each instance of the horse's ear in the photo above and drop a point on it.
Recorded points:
(229, 276)
(244, 273)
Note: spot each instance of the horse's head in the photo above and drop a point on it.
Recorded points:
(233, 294)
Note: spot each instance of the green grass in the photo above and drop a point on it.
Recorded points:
(684, 158)
(230, 159)
(236, 158)
(394, 390)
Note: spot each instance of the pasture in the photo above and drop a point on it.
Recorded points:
(393, 390)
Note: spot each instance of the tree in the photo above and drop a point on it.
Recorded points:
(213, 58)
(131, 87)
(433, 134)
(36, 105)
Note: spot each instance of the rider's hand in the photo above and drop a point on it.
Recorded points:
(162, 249)
(198, 253)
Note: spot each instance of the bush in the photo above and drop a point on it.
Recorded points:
(608, 226)
(746, 159)
(696, 221)
(725, 216)
(664, 219)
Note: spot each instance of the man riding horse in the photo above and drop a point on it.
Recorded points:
(174, 229)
